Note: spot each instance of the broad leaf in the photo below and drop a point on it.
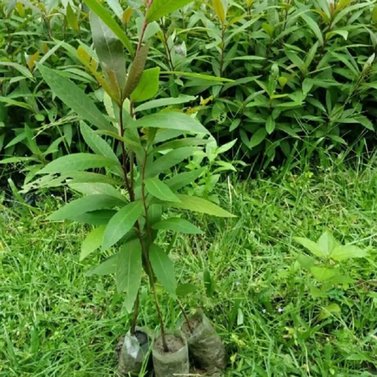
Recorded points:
(160, 190)
(148, 84)
(161, 8)
(163, 268)
(181, 180)
(324, 273)
(109, 50)
(76, 162)
(129, 271)
(219, 9)
(312, 246)
(74, 97)
(86, 204)
(121, 223)
(327, 243)
(99, 217)
(178, 225)
(201, 205)
(107, 18)
(92, 242)
(171, 120)
(343, 252)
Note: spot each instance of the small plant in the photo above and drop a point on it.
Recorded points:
(132, 181)
(327, 266)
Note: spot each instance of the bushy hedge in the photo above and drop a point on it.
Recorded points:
(301, 75)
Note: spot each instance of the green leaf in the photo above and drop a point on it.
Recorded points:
(163, 268)
(181, 180)
(257, 138)
(324, 273)
(20, 68)
(184, 290)
(107, 18)
(129, 271)
(107, 267)
(199, 76)
(193, 203)
(162, 102)
(72, 19)
(329, 310)
(209, 284)
(177, 224)
(161, 8)
(86, 204)
(109, 50)
(93, 188)
(75, 162)
(96, 143)
(219, 9)
(121, 223)
(92, 242)
(312, 246)
(327, 243)
(344, 252)
(270, 125)
(100, 217)
(313, 26)
(160, 190)
(171, 120)
(148, 85)
(74, 97)
(169, 160)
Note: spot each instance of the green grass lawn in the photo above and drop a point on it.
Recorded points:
(55, 321)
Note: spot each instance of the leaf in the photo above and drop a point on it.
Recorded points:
(86, 204)
(344, 252)
(96, 143)
(181, 180)
(116, 8)
(92, 242)
(199, 76)
(160, 190)
(107, 267)
(219, 9)
(121, 223)
(94, 188)
(107, 18)
(162, 102)
(109, 50)
(177, 224)
(193, 203)
(329, 310)
(163, 268)
(72, 19)
(136, 71)
(171, 120)
(161, 8)
(75, 162)
(148, 85)
(184, 290)
(312, 246)
(209, 284)
(74, 97)
(326, 243)
(270, 125)
(313, 26)
(257, 138)
(324, 273)
(168, 160)
(20, 68)
(129, 271)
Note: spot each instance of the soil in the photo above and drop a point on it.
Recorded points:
(194, 322)
(174, 344)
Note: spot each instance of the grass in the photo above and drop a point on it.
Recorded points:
(55, 321)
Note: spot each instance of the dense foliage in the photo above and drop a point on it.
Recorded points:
(282, 77)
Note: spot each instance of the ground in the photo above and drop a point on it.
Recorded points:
(56, 321)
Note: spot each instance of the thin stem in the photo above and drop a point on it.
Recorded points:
(185, 315)
(168, 51)
(221, 68)
(135, 314)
